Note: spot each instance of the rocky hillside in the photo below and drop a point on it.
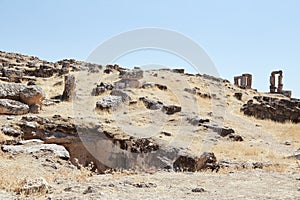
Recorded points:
(72, 129)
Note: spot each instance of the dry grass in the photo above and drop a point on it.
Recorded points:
(244, 152)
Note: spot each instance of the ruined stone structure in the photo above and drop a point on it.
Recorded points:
(275, 109)
(130, 79)
(244, 81)
(279, 88)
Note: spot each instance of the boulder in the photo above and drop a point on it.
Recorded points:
(109, 103)
(12, 107)
(125, 97)
(192, 163)
(29, 95)
(32, 95)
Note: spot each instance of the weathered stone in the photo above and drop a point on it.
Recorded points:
(180, 71)
(101, 88)
(235, 137)
(57, 150)
(32, 186)
(190, 163)
(222, 131)
(27, 94)
(151, 104)
(32, 95)
(12, 107)
(244, 81)
(238, 95)
(69, 88)
(171, 109)
(196, 120)
(279, 110)
(109, 103)
(125, 97)
(198, 190)
(161, 87)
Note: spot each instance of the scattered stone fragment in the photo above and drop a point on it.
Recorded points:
(151, 104)
(171, 109)
(166, 133)
(196, 120)
(235, 137)
(32, 186)
(161, 87)
(222, 131)
(238, 95)
(198, 190)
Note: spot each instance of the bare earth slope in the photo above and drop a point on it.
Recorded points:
(147, 126)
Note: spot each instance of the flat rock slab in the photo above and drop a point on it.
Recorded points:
(58, 150)
(12, 107)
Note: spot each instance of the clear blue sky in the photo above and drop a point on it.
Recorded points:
(240, 36)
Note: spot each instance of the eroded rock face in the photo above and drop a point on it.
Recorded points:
(12, 107)
(279, 110)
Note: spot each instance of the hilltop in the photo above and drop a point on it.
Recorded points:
(77, 130)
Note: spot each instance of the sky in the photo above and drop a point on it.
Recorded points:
(240, 36)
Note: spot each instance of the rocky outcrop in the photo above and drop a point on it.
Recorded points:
(12, 107)
(28, 148)
(30, 95)
(101, 88)
(275, 109)
(192, 164)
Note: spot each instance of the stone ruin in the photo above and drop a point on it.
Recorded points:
(129, 79)
(244, 81)
(275, 109)
(279, 88)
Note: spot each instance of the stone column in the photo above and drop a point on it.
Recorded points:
(69, 88)
(280, 85)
